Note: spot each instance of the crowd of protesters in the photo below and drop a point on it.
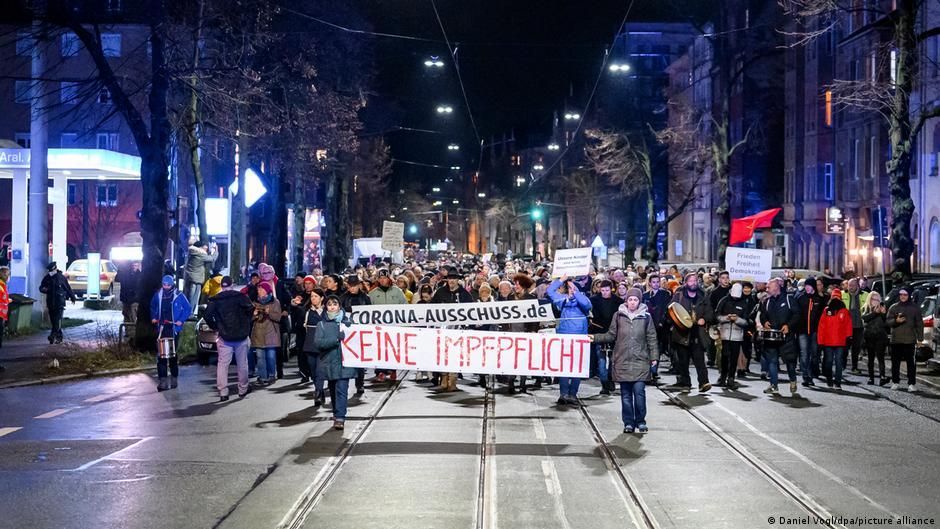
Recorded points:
(636, 317)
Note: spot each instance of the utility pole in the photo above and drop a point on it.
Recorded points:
(38, 230)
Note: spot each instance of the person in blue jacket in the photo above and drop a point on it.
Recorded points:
(574, 308)
(168, 310)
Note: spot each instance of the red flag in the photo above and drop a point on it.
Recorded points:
(743, 229)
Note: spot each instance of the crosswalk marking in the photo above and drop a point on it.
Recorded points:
(9, 429)
(51, 414)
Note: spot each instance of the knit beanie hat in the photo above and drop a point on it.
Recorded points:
(636, 293)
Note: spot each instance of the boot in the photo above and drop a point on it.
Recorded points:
(452, 383)
(163, 385)
(173, 382)
(512, 385)
(522, 381)
(722, 381)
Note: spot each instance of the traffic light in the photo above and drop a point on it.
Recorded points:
(536, 213)
(413, 229)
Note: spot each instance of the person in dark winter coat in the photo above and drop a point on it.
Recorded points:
(353, 297)
(811, 305)
(689, 343)
(657, 300)
(603, 308)
(732, 314)
(907, 330)
(129, 279)
(778, 312)
(874, 316)
(329, 333)
(635, 351)
(307, 358)
(57, 290)
(230, 312)
(835, 331)
(451, 292)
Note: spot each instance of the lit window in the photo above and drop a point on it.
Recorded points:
(111, 44)
(894, 67)
(107, 195)
(828, 108)
(70, 45)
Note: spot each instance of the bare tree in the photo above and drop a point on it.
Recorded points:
(889, 93)
(626, 164)
(370, 186)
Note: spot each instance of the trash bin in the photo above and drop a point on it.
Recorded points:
(21, 313)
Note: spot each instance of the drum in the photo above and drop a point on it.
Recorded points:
(770, 335)
(679, 315)
(166, 348)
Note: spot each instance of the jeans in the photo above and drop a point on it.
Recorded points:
(193, 292)
(772, 357)
(903, 352)
(696, 354)
(809, 356)
(833, 355)
(568, 386)
(313, 364)
(633, 404)
(603, 373)
(266, 362)
(876, 350)
(227, 350)
(339, 395)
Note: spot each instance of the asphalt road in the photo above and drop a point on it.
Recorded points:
(113, 452)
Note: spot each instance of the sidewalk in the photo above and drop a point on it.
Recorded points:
(37, 345)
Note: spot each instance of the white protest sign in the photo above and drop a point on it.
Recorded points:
(749, 264)
(393, 236)
(528, 310)
(572, 262)
(452, 351)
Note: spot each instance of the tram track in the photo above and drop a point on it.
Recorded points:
(297, 515)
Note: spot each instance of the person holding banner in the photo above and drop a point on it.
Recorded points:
(603, 308)
(328, 334)
(522, 290)
(425, 293)
(451, 292)
(356, 296)
(386, 294)
(575, 308)
(635, 354)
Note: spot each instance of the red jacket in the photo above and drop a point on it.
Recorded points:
(4, 302)
(835, 329)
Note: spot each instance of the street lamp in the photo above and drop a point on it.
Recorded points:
(445, 109)
(454, 167)
(453, 147)
(553, 146)
(538, 167)
(520, 180)
(434, 62)
(481, 195)
(455, 201)
(412, 229)
(572, 116)
(435, 190)
(437, 203)
(619, 68)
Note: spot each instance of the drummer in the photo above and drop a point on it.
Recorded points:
(778, 312)
(687, 335)
(168, 310)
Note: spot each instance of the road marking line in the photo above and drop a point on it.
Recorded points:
(100, 398)
(9, 429)
(126, 480)
(539, 429)
(812, 464)
(53, 413)
(90, 464)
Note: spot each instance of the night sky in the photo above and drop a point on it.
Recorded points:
(520, 61)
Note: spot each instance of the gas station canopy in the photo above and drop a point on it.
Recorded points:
(76, 164)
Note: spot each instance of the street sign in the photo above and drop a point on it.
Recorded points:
(879, 226)
(835, 220)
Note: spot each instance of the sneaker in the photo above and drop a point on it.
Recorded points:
(562, 401)
(339, 425)
(245, 394)
(605, 392)
(763, 375)
(911, 388)
(573, 401)
(792, 387)
(627, 429)
(771, 390)
(360, 391)
(304, 380)
(223, 398)
(642, 428)
(838, 387)
(856, 371)
(720, 383)
(895, 387)
(810, 383)
(806, 383)
(704, 387)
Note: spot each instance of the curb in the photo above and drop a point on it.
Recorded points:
(64, 378)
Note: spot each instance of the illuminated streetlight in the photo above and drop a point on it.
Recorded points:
(520, 180)
(445, 109)
(572, 116)
(434, 62)
(435, 190)
(619, 68)
(481, 195)
(453, 147)
(437, 203)
(553, 147)
(412, 229)
(454, 167)
(455, 201)
(538, 167)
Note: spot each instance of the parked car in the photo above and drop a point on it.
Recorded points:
(77, 276)
(206, 337)
(927, 347)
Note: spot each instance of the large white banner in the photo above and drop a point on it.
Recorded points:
(436, 315)
(749, 264)
(572, 262)
(393, 236)
(452, 351)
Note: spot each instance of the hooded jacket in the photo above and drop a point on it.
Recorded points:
(811, 307)
(181, 308)
(196, 264)
(635, 344)
(391, 296)
(911, 330)
(835, 325)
